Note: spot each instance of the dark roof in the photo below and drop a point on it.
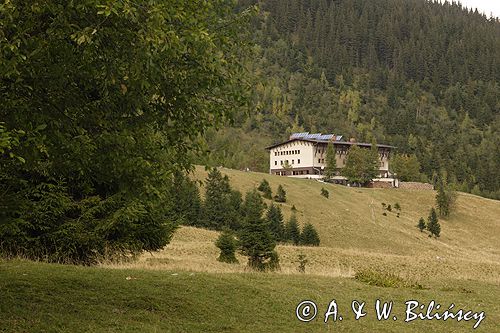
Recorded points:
(362, 144)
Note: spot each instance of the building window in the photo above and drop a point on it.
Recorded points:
(298, 151)
(281, 162)
(319, 160)
(307, 171)
(298, 161)
(293, 161)
(275, 162)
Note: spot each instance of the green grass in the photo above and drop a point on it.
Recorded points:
(39, 297)
(363, 256)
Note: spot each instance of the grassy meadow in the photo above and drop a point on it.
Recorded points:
(183, 288)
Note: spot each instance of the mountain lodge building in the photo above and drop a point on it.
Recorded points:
(303, 155)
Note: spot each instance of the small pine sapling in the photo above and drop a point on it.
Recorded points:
(302, 263)
(280, 194)
(421, 224)
(227, 245)
(265, 188)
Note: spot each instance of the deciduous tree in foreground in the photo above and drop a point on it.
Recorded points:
(110, 98)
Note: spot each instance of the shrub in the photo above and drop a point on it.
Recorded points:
(265, 188)
(421, 224)
(227, 245)
(325, 193)
(280, 194)
(302, 263)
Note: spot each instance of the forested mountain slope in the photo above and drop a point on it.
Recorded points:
(415, 74)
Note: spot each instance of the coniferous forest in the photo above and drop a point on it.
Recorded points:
(419, 75)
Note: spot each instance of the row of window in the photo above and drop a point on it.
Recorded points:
(300, 172)
(286, 152)
(295, 173)
(286, 161)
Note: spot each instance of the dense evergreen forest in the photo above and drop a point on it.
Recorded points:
(412, 73)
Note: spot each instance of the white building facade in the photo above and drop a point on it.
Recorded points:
(304, 156)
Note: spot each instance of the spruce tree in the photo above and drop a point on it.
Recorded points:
(184, 193)
(233, 215)
(433, 224)
(421, 224)
(265, 188)
(256, 240)
(292, 230)
(445, 197)
(331, 163)
(275, 219)
(309, 235)
(227, 245)
(216, 206)
(280, 194)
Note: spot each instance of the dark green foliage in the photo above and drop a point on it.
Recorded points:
(384, 213)
(108, 98)
(361, 165)
(265, 188)
(433, 223)
(325, 193)
(302, 263)
(397, 206)
(331, 163)
(309, 235)
(292, 231)
(274, 262)
(256, 240)
(221, 208)
(227, 245)
(406, 168)
(445, 198)
(274, 218)
(233, 214)
(186, 202)
(280, 194)
(421, 224)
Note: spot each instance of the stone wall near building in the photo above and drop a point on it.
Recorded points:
(416, 186)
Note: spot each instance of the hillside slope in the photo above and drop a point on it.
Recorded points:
(183, 288)
(356, 236)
